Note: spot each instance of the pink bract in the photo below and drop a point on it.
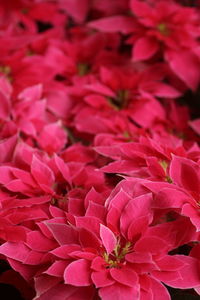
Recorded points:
(99, 149)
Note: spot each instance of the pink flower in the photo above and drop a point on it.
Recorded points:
(123, 85)
(160, 23)
(58, 101)
(52, 138)
(85, 53)
(144, 158)
(126, 97)
(186, 175)
(122, 257)
(93, 121)
(99, 160)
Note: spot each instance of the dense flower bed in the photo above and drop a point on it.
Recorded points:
(99, 149)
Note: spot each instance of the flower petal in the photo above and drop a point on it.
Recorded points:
(121, 24)
(125, 276)
(102, 278)
(119, 292)
(108, 238)
(144, 48)
(78, 273)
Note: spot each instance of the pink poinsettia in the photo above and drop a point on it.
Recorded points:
(21, 65)
(111, 102)
(99, 148)
(179, 194)
(174, 178)
(52, 138)
(123, 85)
(144, 158)
(161, 27)
(120, 256)
(85, 53)
(185, 175)
(62, 183)
(32, 119)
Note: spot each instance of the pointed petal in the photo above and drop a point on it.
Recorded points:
(119, 292)
(140, 8)
(195, 125)
(88, 239)
(159, 291)
(193, 213)
(108, 238)
(182, 61)
(32, 93)
(7, 147)
(121, 24)
(170, 263)
(189, 274)
(17, 251)
(45, 283)
(102, 278)
(63, 168)
(57, 268)
(151, 244)
(185, 173)
(76, 9)
(64, 234)
(65, 250)
(41, 172)
(78, 273)
(38, 242)
(125, 276)
(144, 48)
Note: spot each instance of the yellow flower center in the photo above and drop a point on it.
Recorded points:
(164, 164)
(163, 29)
(121, 99)
(83, 69)
(116, 258)
(6, 70)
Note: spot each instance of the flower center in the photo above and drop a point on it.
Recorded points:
(165, 165)
(121, 99)
(83, 69)
(6, 70)
(117, 258)
(163, 29)
(24, 10)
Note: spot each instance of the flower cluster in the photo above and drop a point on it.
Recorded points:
(99, 149)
